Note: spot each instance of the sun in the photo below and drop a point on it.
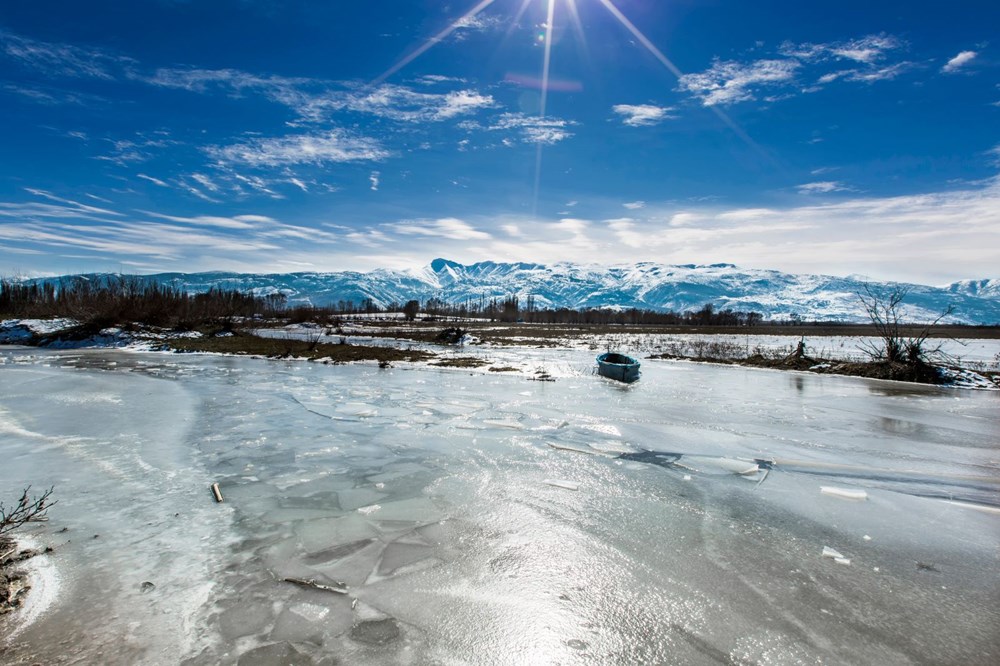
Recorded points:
(544, 38)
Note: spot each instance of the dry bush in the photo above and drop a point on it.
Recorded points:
(26, 510)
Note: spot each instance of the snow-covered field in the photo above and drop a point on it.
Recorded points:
(702, 515)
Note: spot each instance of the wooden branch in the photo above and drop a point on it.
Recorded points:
(318, 586)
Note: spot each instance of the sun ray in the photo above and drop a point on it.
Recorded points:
(546, 68)
(574, 15)
(547, 58)
(517, 17)
(436, 39)
(666, 62)
(611, 7)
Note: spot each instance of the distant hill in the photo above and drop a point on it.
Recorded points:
(645, 285)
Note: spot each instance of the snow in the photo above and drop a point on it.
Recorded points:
(643, 285)
(461, 535)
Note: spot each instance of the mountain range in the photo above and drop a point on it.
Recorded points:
(646, 285)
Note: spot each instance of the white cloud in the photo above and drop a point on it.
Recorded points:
(393, 102)
(333, 146)
(635, 205)
(374, 180)
(237, 222)
(256, 183)
(191, 189)
(642, 115)
(929, 238)
(435, 79)
(205, 182)
(450, 227)
(479, 22)
(64, 60)
(822, 187)
(534, 129)
(154, 181)
(959, 61)
(129, 151)
(200, 80)
(71, 204)
(731, 82)
(728, 82)
(866, 50)
(314, 100)
(683, 219)
(878, 73)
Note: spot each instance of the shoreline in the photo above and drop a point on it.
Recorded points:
(39, 586)
(488, 346)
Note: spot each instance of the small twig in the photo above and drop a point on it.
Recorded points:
(319, 586)
(26, 510)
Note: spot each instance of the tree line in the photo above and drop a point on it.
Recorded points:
(116, 300)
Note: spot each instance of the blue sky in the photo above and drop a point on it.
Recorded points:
(283, 135)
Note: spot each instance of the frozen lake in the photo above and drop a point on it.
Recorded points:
(487, 519)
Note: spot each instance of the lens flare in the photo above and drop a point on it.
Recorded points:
(544, 38)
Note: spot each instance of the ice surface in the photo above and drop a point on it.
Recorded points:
(844, 493)
(711, 494)
(558, 483)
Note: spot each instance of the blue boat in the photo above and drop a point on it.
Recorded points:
(618, 366)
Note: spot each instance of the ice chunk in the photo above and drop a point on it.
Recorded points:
(830, 552)
(842, 560)
(602, 428)
(356, 498)
(337, 552)
(844, 493)
(397, 555)
(375, 632)
(325, 533)
(300, 623)
(275, 653)
(418, 510)
(509, 424)
(245, 618)
(558, 483)
(731, 465)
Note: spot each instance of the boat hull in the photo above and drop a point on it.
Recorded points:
(618, 367)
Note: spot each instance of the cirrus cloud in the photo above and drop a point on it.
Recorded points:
(642, 115)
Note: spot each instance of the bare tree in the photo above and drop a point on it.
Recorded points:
(895, 345)
(25, 511)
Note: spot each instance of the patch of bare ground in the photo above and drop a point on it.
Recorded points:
(549, 335)
(252, 345)
(921, 373)
(461, 362)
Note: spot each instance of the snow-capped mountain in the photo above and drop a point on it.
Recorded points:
(979, 288)
(643, 285)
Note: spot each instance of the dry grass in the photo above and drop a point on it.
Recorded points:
(244, 344)
(461, 362)
(549, 335)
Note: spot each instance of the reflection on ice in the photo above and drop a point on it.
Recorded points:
(704, 515)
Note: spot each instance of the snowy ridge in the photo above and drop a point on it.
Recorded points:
(644, 285)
